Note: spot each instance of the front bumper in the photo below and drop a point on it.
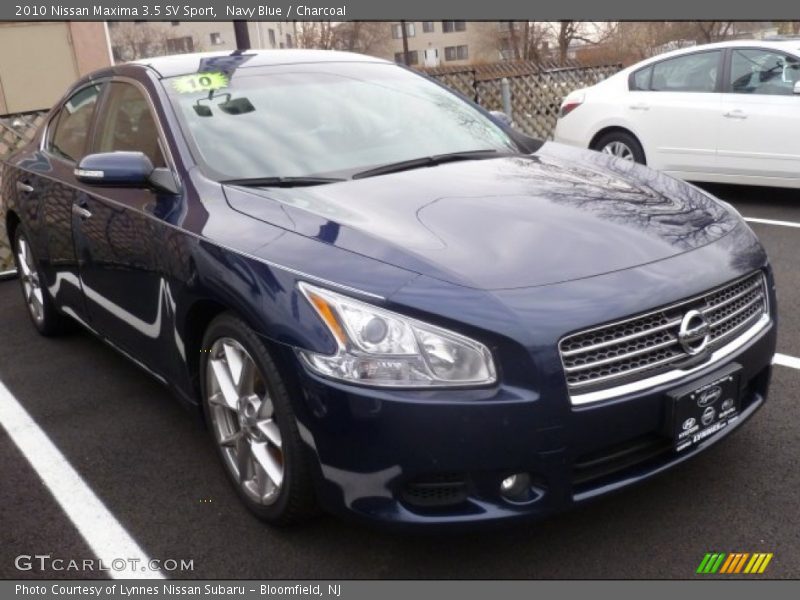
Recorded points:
(436, 458)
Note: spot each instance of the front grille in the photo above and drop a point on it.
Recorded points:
(645, 345)
(436, 491)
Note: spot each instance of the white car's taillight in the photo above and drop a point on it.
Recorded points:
(571, 103)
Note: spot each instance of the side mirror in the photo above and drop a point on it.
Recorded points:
(797, 87)
(499, 115)
(502, 117)
(124, 169)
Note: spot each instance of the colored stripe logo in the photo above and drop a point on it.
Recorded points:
(733, 563)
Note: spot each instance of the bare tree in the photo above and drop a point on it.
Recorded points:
(566, 33)
(367, 37)
(522, 40)
(714, 31)
(315, 34)
(131, 40)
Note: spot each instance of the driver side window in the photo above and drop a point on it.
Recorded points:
(128, 124)
(763, 72)
(70, 128)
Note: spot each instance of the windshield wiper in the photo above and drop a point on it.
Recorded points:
(281, 181)
(429, 161)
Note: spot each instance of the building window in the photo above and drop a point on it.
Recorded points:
(180, 45)
(397, 31)
(451, 26)
(413, 57)
(428, 27)
(288, 40)
(216, 39)
(456, 53)
(271, 33)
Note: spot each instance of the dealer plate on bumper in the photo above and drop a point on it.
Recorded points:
(705, 407)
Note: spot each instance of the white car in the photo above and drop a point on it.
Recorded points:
(724, 113)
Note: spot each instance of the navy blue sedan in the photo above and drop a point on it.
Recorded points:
(385, 301)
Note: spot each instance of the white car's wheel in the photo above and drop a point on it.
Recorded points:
(620, 144)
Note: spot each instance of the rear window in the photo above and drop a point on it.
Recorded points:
(640, 80)
(690, 73)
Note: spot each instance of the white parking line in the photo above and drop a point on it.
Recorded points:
(785, 360)
(105, 536)
(772, 222)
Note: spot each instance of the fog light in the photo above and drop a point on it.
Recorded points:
(508, 483)
(516, 487)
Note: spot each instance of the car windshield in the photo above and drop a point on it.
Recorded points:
(323, 120)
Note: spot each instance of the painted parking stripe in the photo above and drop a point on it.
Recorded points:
(785, 360)
(105, 536)
(772, 222)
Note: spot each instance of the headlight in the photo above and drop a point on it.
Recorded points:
(382, 348)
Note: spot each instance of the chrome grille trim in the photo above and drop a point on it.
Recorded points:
(643, 384)
(626, 338)
(618, 354)
(607, 361)
(732, 298)
(738, 311)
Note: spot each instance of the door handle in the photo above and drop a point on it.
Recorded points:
(735, 114)
(640, 106)
(81, 212)
(24, 187)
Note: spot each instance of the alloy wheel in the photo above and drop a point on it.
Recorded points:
(29, 276)
(618, 149)
(242, 417)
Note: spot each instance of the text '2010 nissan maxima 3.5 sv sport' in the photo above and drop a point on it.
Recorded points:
(386, 302)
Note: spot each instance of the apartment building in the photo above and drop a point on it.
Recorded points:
(141, 39)
(441, 43)
(40, 59)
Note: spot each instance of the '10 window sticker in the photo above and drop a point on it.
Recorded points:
(200, 82)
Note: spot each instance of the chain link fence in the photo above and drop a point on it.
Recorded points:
(535, 92)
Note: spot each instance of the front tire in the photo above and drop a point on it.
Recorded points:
(621, 144)
(249, 412)
(41, 309)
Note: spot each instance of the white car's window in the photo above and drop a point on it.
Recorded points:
(691, 73)
(641, 79)
(763, 72)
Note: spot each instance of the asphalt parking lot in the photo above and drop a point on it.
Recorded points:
(156, 472)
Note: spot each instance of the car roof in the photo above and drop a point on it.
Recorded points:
(182, 64)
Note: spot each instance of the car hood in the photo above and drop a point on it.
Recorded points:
(557, 215)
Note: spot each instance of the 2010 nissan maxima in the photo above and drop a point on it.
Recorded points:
(387, 302)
